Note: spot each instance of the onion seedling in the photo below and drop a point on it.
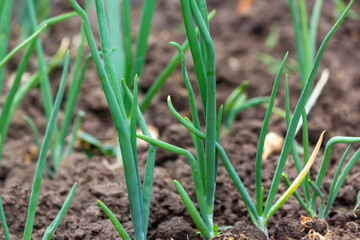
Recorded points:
(340, 7)
(170, 67)
(273, 63)
(119, 18)
(127, 63)
(357, 202)
(261, 211)
(115, 92)
(16, 93)
(307, 43)
(105, 149)
(238, 102)
(39, 173)
(59, 147)
(309, 202)
(5, 18)
(305, 34)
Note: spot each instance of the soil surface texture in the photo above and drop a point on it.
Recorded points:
(238, 39)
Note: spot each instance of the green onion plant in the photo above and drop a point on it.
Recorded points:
(340, 7)
(305, 36)
(17, 92)
(105, 149)
(58, 148)
(237, 102)
(357, 202)
(165, 74)
(309, 202)
(116, 91)
(128, 65)
(204, 166)
(39, 173)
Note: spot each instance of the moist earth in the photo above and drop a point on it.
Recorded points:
(238, 39)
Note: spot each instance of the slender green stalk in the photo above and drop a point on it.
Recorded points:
(5, 18)
(44, 82)
(198, 142)
(297, 161)
(218, 129)
(237, 181)
(168, 70)
(21, 46)
(319, 193)
(210, 117)
(113, 9)
(142, 38)
(73, 94)
(133, 121)
(57, 19)
(340, 181)
(43, 72)
(193, 212)
(5, 116)
(1, 6)
(107, 54)
(130, 163)
(34, 131)
(28, 85)
(133, 125)
(42, 154)
(199, 189)
(357, 202)
(314, 22)
(298, 197)
(342, 161)
(56, 223)
(306, 154)
(242, 105)
(75, 131)
(296, 182)
(195, 51)
(16, 94)
(203, 10)
(43, 8)
(3, 222)
(297, 113)
(150, 162)
(119, 228)
(260, 148)
(305, 36)
(324, 164)
(161, 79)
(234, 96)
(117, 112)
(298, 40)
(44, 77)
(127, 39)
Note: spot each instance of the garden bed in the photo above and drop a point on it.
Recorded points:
(238, 40)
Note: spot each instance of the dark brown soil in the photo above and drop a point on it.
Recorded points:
(238, 40)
